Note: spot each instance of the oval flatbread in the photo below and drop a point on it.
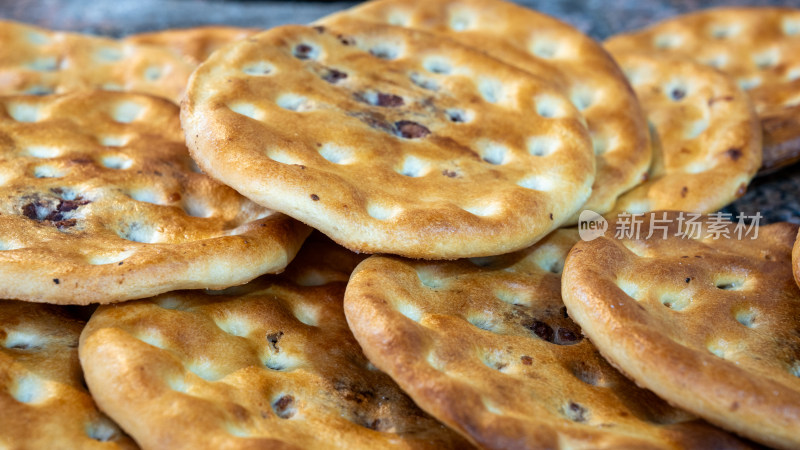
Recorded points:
(708, 319)
(271, 364)
(758, 47)
(390, 140)
(544, 46)
(486, 346)
(708, 137)
(102, 203)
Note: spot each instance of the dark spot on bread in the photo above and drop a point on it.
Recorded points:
(56, 281)
(63, 224)
(410, 130)
(346, 40)
(302, 51)
(566, 336)
(319, 29)
(734, 153)
(333, 75)
(284, 407)
(688, 279)
(551, 216)
(576, 412)
(315, 197)
(449, 173)
(389, 100)
(526, 360)
(540, 329)
(677, 94)
(273, 339)
(684, 191)
(174, 197)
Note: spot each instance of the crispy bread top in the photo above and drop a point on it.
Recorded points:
(759, 47)
(195, 45)
(103, 204)
(268, 364)
(37, 61)
(709, 323)
(485, 345)
(708, 143)
(390, 140)
(43, 402)
(542, 44)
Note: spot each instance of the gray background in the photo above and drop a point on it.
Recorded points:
(774, 196)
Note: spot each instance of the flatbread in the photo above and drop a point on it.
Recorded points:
(709, 323)
(486, 346)
(390, 140)
(709, 137)
(43, 401)
(271, 364)
(759, 47)
(37, 61)
(544, 46)
(102, 203)
(195, 45)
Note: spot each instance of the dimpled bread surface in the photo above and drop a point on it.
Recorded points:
(759, 47)
(37, 61)
(710, 325)
(271, 364)
(485, 345)
(708, 144)
(547, 47)
(102, 203)
(43, 402)
(390, 140)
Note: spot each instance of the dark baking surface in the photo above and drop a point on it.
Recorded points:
(775, 196)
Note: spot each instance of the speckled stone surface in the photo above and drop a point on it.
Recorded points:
(775, 197)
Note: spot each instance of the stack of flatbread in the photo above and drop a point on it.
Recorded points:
(438, 224)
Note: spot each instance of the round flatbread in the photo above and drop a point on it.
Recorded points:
(542, 45)
(486, 346)
(708, 144)
(43, 401)
(195, 45)
(37, 61)
(708, 319)
(759, 47)
(102, 203)
(390, 140)
(271, 364)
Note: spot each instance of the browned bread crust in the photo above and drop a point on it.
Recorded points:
(549, 48)
(390, 140)
(710, 325)
(271, 364)
(759, 47)
(43, 401)
(485, 346)
(102, 203)
(707, 144)
(37, 61)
